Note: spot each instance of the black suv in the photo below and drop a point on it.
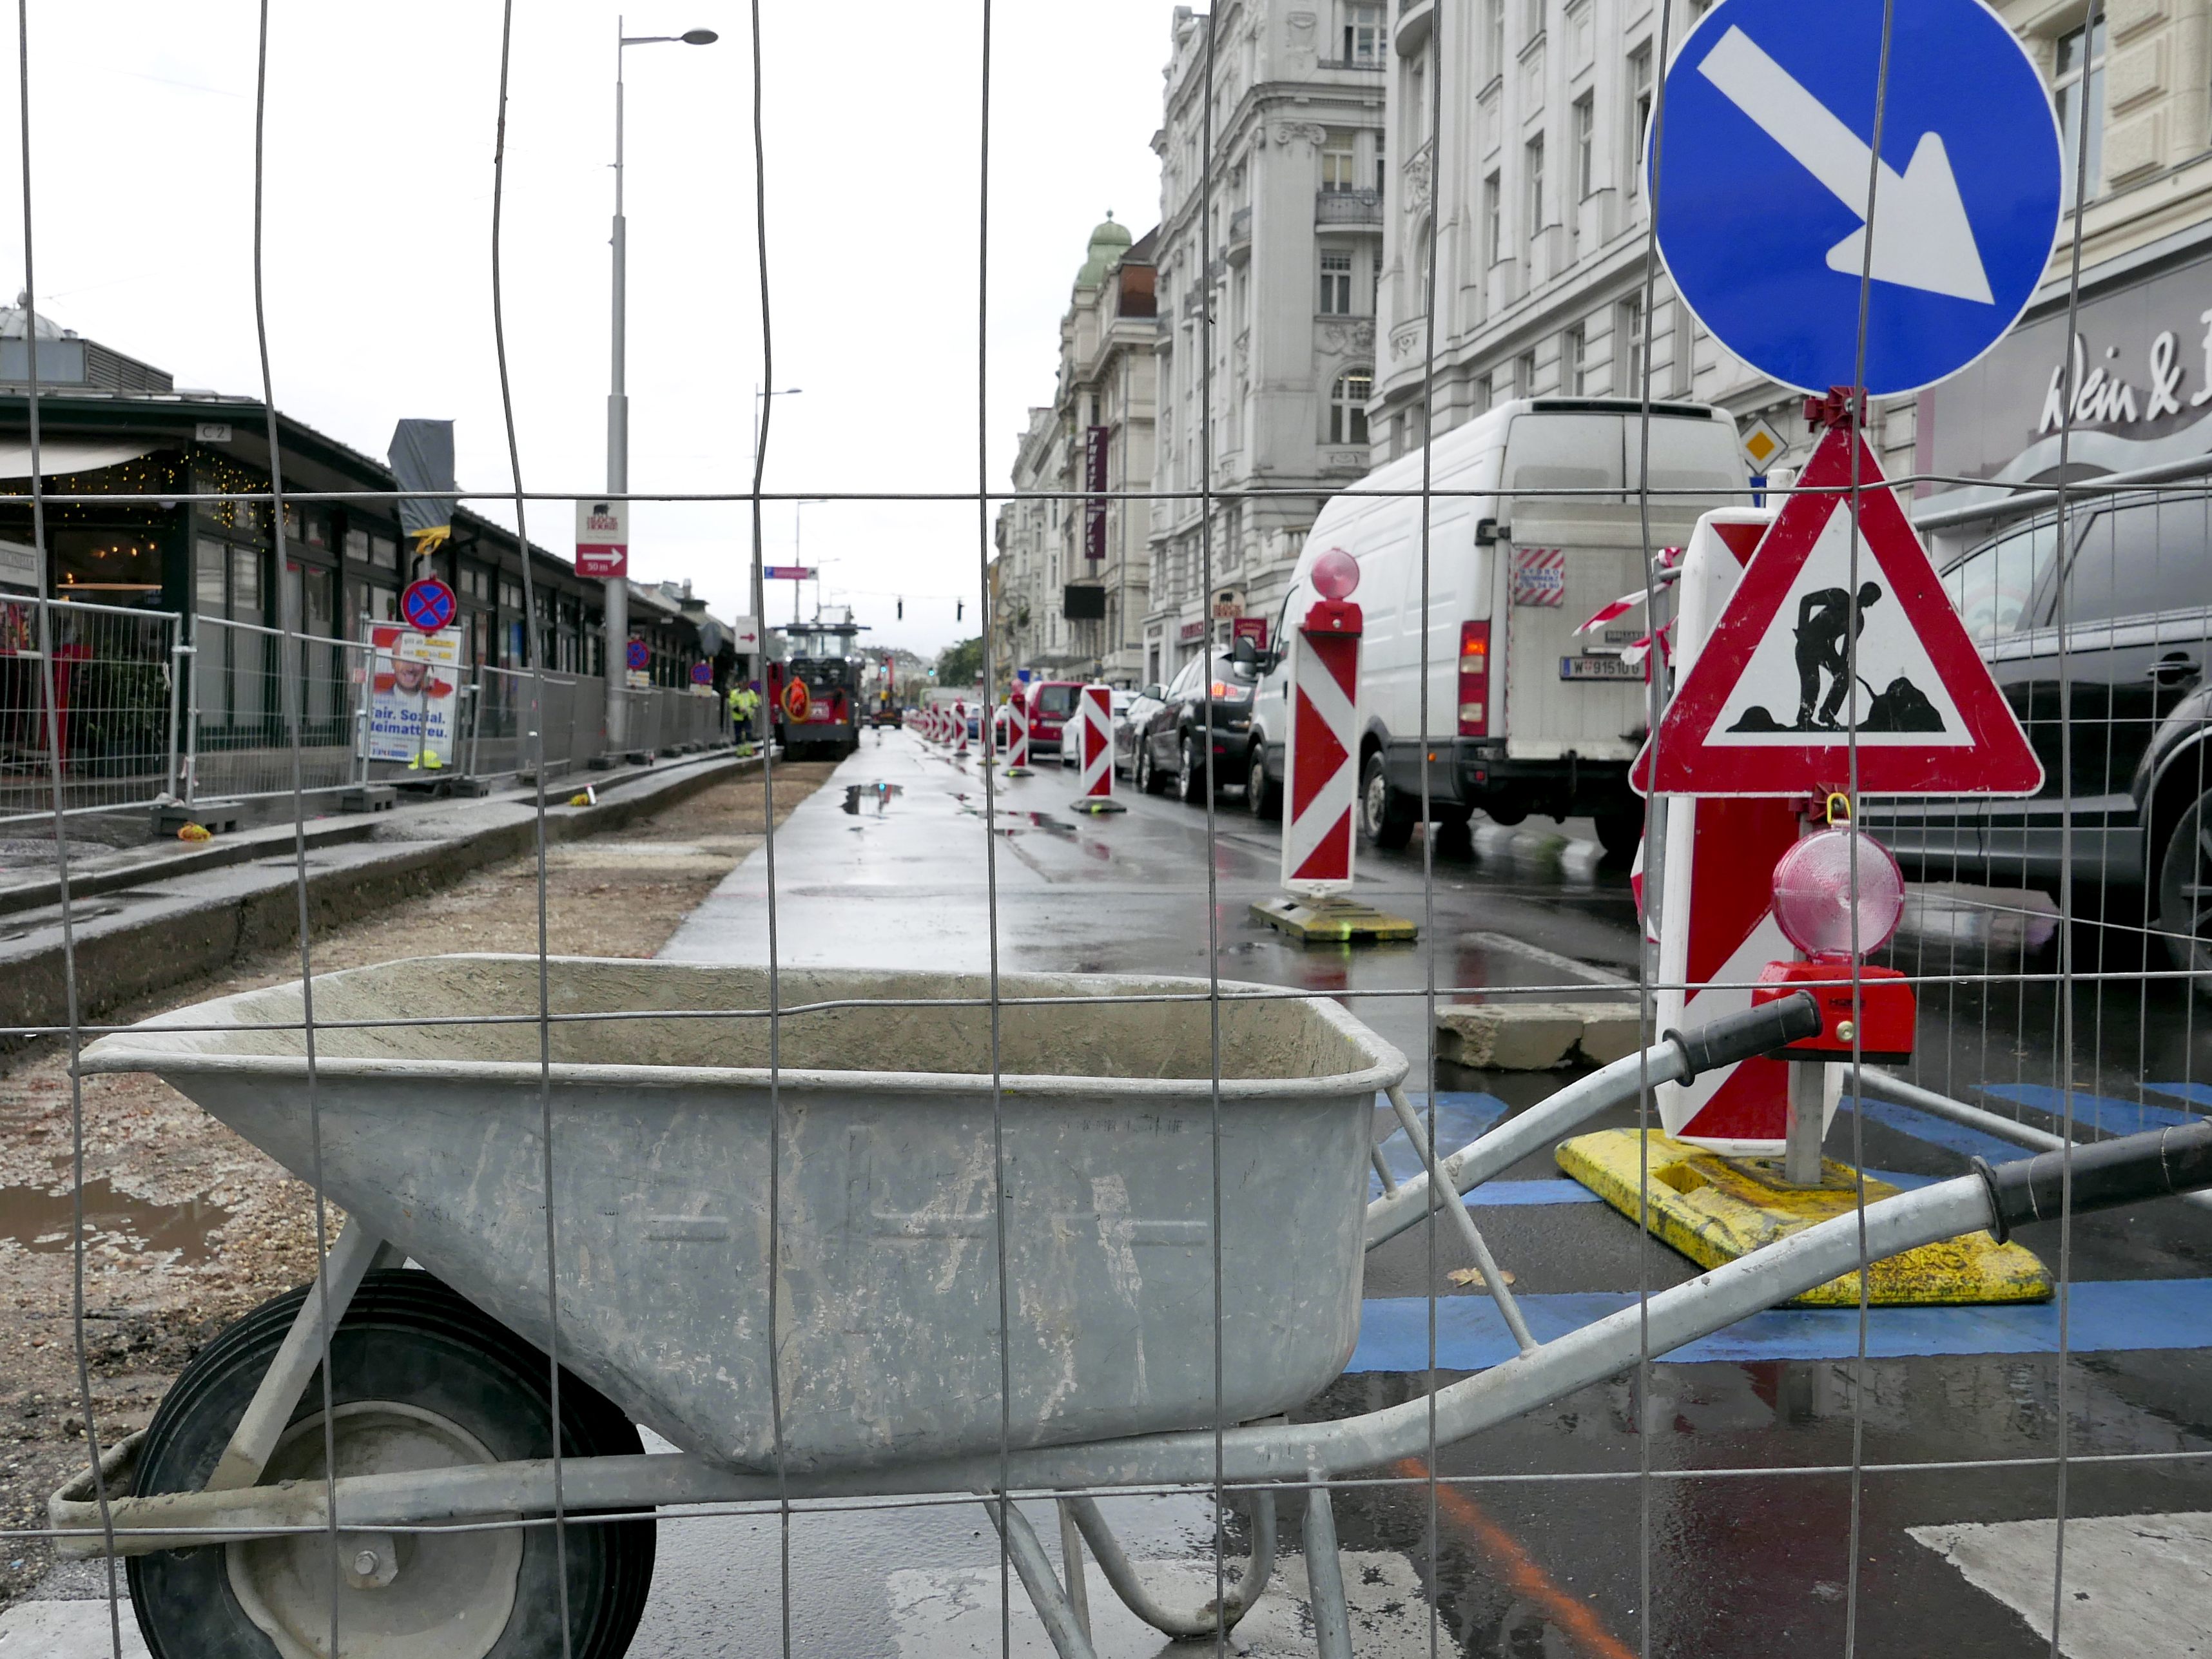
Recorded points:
(2110, 688)
(1171, 744)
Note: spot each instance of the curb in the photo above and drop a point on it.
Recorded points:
(160, 928)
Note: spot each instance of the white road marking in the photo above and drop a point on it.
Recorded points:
(1521, 947)
(66, 1630)
(2136, 1585)
(955, 1612)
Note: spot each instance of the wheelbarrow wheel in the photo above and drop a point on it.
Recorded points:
(421, 1379)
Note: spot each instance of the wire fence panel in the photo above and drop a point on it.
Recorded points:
(940, 1183)
(113, 703)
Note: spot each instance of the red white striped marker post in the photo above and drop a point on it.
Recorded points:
(1094, 708)
(960, 727)
(1323, 749)
(1018, 733)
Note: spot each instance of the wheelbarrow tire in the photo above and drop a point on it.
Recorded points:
(409, 1340)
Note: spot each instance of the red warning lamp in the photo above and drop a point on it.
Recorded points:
(1335, 575)
(1838, 894)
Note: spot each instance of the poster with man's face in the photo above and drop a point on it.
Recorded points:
(411, 694)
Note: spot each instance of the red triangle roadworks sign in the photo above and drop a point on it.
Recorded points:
(1810, 652)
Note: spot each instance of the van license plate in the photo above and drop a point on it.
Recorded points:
(1599, 668)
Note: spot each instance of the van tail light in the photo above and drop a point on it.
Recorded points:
(1475, 679)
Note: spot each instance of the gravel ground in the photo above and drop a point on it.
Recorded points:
(189, 1227)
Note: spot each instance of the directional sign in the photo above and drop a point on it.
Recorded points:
(1764, 175)
(603, 539)
(639, 655)
(787, 572)
(427, 604)
(1816, 649)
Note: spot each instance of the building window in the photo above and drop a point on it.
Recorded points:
(1585, 146)
(2078, 88)
(1494, 23)
(1381, 167)
(1363, 33)
(1639, 112)
(1535, 173)
(1375, 283)
(1416, 102)
(1493, 230)
(1524, 376)
(1535, 19)
(1347, 406)
(1628, 348)
(1485, 391)
(1574, 360)
(1340, 164)
(1336, 285)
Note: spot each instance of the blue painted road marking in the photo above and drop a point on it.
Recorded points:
(1461, 1115)
(2098, 1112)
(2106, 1317)
(1936, 1131)
(2196, 1094)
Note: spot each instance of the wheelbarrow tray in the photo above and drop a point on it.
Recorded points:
(889, 1295)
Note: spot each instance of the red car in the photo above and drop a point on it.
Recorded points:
(1052, 702)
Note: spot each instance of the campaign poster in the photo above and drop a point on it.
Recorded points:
(413, 694)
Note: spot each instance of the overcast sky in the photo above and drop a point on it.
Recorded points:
(378, 231)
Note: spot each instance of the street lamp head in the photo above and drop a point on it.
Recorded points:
(698, 37)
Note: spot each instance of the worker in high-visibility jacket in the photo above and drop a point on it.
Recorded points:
(744, 704)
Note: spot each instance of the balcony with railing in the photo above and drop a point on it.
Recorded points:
(1348, 209)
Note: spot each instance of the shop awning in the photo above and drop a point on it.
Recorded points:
(59, 457)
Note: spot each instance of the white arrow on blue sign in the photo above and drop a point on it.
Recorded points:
(1763, 170)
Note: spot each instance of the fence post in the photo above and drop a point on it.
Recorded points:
(179, 652)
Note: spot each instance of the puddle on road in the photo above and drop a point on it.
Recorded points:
(1044, 821)
(38, 1220)
(878, 794)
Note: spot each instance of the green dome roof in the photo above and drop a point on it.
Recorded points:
(1108, 243)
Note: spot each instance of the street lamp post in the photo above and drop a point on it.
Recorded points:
(615, 613)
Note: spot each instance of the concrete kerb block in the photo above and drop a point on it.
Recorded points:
(1536, 1036)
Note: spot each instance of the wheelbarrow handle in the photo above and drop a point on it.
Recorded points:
(1745, 1036)
(2106, 1174)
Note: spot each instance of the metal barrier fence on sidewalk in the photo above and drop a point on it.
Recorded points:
(114, 707)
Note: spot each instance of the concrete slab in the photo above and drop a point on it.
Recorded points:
(67, 1629)
(2135, 1584)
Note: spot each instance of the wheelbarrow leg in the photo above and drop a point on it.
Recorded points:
(1236, 1600)
(1325, 1575)
(1070, 1640)
(1070, 1553)
(356, 1251)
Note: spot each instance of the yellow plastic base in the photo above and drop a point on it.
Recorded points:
(1715, 1209)
(1332, 921)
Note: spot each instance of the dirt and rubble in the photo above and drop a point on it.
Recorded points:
(187, 1227)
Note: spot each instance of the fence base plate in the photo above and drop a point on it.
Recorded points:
(217, 818)
(1333, 922)
(1715, 1209)
(369, 798)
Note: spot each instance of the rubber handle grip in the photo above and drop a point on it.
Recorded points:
(1755, 1032)
(2106, 1174)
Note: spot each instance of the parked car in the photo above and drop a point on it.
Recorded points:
(1212, 692)
(2110, 688)
(1529, 717)
(1131, 710)
(1051, 703)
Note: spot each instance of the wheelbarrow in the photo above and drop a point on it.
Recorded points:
(839, 1253)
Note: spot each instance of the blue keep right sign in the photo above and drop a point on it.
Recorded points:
(1763, 166)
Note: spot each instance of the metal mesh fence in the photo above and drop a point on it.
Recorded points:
(2058, 947)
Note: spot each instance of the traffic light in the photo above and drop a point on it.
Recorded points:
(901, 609)
(960, 609)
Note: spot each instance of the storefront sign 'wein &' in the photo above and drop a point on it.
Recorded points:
(2102, 398)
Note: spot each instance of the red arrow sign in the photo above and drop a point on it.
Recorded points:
(1814, 650)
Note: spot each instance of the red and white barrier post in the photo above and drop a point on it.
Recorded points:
(1094, 708)
(960, 728)
(1321, 765)
(1321, 749)
(1018, 733)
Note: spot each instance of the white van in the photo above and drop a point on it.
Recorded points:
(1524, 715)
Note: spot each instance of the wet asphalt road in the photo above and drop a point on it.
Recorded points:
(1560, 1547)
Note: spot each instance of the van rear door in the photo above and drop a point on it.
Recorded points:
(1572, 553)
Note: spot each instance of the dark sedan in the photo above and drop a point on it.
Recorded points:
(1211, 693)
